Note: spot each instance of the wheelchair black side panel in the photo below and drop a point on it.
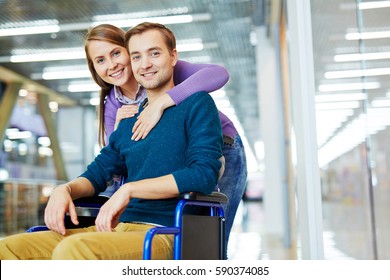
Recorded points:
(202, 237)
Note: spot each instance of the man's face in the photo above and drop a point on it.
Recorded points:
(151, 61)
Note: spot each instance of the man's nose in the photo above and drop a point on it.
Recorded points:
(146, 63)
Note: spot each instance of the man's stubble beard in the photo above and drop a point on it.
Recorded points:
(155, 84)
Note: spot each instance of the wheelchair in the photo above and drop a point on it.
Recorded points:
(197, 236)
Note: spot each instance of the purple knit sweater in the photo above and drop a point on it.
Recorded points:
(189, 78)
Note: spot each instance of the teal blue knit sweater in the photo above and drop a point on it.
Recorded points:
(187, 143)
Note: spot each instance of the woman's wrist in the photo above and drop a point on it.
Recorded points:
(165, 101)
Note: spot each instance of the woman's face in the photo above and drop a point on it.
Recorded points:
(111, 62)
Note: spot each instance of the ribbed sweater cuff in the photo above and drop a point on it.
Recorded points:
(187, 183)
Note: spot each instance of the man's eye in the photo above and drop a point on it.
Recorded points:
(136, 57)
(155, 53)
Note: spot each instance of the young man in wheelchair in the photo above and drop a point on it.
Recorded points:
(181, 154)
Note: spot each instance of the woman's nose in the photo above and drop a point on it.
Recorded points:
(112, 63)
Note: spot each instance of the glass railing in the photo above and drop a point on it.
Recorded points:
(22, 203)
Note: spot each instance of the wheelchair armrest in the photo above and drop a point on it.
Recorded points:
(213, 197)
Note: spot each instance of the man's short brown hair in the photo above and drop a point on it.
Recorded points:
(168, 35)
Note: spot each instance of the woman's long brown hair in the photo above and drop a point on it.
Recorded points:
(107, 33)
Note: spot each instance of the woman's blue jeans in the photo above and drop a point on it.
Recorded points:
(233, 181)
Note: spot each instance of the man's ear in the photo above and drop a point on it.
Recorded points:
(174, 57)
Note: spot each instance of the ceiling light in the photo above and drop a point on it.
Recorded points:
(83, 87)
(328, 122)
(22, 149)
(337, 105)
(23, 92)
(357, 73)
(4, 175)
(334, 97)
(367, 35)
(348, 86)
(47, 55)
(45, 151)
(44, 141)
(62, 72)
(8, 145)
(66, 75)
(380, 103)
(79, 53)
(174, 19)
(53, 106)
(95, 101)
(354, 133)
(374, 5)
(120, 20)
(361, 56)
(162, 20)
(199, 59)
(13, 135)
(29, 27)
(142, 14)
(29, 30)
(190, 47)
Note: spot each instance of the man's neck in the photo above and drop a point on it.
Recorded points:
(153, 94)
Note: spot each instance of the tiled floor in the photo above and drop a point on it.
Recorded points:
(249, 240)
(245, 239)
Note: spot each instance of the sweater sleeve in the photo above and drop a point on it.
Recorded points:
(190, 78)
(104, 166)
(204, 136)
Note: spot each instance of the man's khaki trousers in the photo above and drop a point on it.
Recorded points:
(124, 243)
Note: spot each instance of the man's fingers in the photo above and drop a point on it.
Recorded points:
(60, 225)
(73, 215)
(103, 222)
